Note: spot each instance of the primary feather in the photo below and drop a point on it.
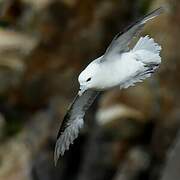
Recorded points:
(122, 40)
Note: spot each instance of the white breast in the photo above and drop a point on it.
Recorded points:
(117, 71)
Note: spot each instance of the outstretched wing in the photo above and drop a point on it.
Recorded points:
(122, 40)
(73, 121)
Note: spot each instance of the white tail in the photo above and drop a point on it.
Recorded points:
(147, 51)
(148, 44)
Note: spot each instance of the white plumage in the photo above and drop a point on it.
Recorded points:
(146, 53)
(120, 67)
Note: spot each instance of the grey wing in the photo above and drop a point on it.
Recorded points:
(72, 122)
(122, 40)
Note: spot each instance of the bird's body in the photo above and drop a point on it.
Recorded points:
(123, 67)
(119, 66)
(121, 71)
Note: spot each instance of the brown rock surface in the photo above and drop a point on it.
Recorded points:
(44, 45)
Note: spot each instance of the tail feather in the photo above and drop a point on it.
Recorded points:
(147, 51)
(148, 44)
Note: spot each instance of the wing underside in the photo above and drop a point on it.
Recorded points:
(73, 122)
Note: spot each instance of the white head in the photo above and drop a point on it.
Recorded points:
(87, 78)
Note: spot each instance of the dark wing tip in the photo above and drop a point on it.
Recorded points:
(154, 14)
(67, 137)
(159, 10)
(162, 9)
(57, 153)
(72, 123)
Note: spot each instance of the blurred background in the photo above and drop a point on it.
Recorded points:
(128, 135)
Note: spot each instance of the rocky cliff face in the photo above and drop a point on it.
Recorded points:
(44, 44)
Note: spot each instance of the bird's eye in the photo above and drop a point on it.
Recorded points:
(88, 79)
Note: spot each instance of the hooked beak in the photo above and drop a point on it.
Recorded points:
(82, 89)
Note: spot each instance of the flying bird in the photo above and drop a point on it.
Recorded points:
(120, 66)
